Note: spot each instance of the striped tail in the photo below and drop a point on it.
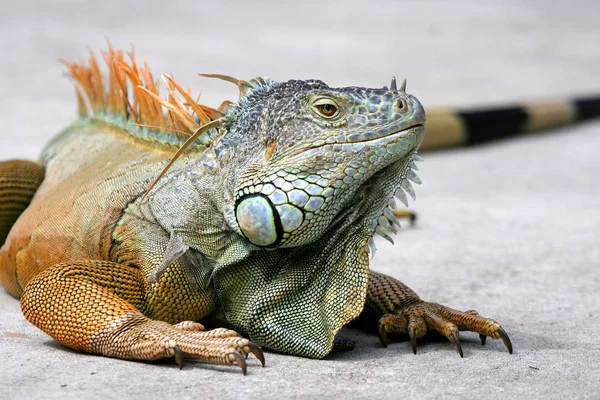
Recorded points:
(19, 180)
(447, 128)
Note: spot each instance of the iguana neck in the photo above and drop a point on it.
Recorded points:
(194, 200)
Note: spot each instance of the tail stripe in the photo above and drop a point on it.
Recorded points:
(587, 108)
(486, 125)
(447, 128)
(549, 115)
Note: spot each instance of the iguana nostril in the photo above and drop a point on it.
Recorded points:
(401, 105)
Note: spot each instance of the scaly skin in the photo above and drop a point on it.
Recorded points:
(267, 228)
(19, 180)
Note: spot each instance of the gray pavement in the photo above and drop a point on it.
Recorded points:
(511, 229)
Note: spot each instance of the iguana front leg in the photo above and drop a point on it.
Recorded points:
(99, 306)
(401, 311)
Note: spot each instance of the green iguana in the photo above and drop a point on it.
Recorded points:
(262, 221)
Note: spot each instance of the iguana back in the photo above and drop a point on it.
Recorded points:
(93, 171)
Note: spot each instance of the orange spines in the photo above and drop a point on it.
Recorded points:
(129, 91)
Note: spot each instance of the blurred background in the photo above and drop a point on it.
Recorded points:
(458, 52)
(510, 228)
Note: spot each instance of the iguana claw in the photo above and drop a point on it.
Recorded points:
(240, 361)
(505, 339)
(383, 334)
(254, 349)
(456, 340)
(500, 333)
(413, 338)
(179, 357)
(483, 339)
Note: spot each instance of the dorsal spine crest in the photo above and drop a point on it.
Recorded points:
(128, 97)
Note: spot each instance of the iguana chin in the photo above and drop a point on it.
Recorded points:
(263, 221)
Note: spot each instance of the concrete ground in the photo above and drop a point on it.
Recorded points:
(511, 229)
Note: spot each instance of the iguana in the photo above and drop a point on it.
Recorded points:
(261, 224)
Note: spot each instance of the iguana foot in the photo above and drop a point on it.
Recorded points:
(77, 304)
(145, 339)
(418, 318)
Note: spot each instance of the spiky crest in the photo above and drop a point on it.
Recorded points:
(130, 93)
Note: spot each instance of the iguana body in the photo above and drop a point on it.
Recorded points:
(264, 224)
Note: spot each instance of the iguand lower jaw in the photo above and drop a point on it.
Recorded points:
(402, 172)
(396, 181)
(396, 187)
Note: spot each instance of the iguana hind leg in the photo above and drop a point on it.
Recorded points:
(401, 311)
(19, 180)
(97, 307)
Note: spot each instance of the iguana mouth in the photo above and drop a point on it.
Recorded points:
(370, 141)
(389, 135)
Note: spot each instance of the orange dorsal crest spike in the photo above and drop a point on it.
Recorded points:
(242, 85)
(129, 91)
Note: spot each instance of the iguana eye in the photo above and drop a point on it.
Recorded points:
(328, 110)
(326, 107)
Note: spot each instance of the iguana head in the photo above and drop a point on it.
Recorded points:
(303, 151)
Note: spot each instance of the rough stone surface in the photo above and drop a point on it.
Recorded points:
(511, 229)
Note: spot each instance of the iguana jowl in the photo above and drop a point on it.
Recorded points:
(265, 222)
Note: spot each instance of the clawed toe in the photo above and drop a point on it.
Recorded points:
(189, 339)
(241, 350)
(237, 357)
(424, 317)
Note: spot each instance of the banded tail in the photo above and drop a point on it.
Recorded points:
(447, 128)
(19, 180)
